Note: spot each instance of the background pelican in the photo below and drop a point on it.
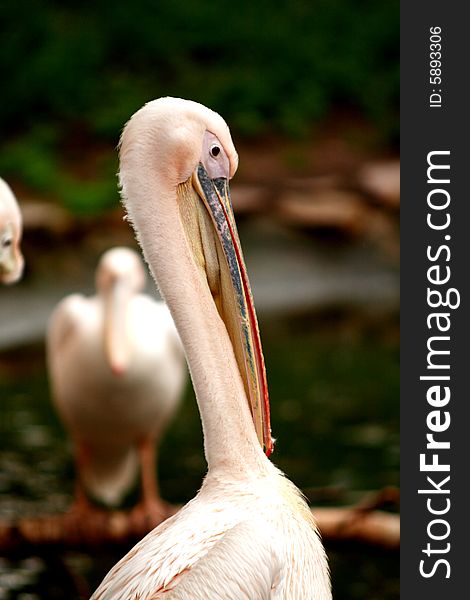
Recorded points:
(117, 372)
(248, 534)
(11, 227)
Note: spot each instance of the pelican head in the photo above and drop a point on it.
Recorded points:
(185, 151)
(119, 276)
(11, 259)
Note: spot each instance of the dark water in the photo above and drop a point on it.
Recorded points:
(334, 392)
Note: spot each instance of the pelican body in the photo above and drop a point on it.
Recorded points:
(11, 227)
(248, 534)
(117, 372)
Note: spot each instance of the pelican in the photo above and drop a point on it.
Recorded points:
(117, 372)
(248, 533)
(11, 259)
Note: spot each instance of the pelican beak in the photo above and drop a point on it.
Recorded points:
(116, 342)
(228, 280)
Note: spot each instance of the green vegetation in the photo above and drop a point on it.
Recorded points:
(73, 72)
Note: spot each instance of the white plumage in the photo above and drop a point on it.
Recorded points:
(248, 534)
(117, 373)
(251, 539)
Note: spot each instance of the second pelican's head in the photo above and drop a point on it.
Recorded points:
(185, 151)
(11, 259)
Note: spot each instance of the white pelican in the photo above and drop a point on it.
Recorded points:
(248, 533)
(117, 372)
(11, 225)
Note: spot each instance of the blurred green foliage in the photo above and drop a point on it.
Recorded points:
(77, 70)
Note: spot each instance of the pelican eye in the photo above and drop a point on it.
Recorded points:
(215, 151)
(6, 242)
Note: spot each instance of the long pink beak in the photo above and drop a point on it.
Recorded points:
(216, 196)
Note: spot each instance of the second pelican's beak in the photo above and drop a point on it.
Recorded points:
(116, 342)
(219, 252)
